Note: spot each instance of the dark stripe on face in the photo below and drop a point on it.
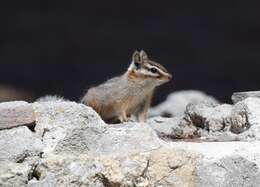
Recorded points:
(158, 66)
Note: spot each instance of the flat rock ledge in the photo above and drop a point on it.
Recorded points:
(60, 143)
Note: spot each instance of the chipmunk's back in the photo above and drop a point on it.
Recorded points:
(106, 97)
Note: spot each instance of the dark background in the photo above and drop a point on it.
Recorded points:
(63, 47)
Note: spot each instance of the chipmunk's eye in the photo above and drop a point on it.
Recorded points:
(153, 70)
(137, 65)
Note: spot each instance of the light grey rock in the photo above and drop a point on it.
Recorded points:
(173, 128)
(14, 174)
(60, 122)
(178, 164)
(176, 103)
(245, 119)
(233, 171)
(209, 116)
(117, 139)
(16, 113)
(128, 137)
(73, 128)
(81, 150)
(225, 164)
(240, 96)
(161, 167)
(18, 143)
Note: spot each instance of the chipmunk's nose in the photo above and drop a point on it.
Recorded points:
(169, 76)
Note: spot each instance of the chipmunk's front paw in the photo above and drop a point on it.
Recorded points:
(123, 119)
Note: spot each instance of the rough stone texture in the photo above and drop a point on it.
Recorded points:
(240, 96)
(176, 103)
(57, 122)
(225, 164)
(79, 149)
(228, 171)
(13, 114)
(173, 128)
(209, 116)
(185, 164)
(18, 143)
(116, 139)
(246, 118)
(68, 127)
(162, 167)
(14, 174)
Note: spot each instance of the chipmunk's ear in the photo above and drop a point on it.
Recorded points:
(137, 57)
(143, 55)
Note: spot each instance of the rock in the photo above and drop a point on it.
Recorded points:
(14, 174)
(57, 122)
(13, 114)
(73, 128)
(79, 149)
(179, 164)
(225, 164)
(176, 103)
(18, 143)
(127, 137)
(122, 139)
(209, 116)
(246, 118)
(240, 96)
(172, 128)
(228, 171)
(162, 167)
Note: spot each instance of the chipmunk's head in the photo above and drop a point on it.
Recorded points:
(145, 69)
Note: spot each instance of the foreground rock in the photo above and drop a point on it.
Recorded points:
(176, 103)
(69, 127)
(19, 143)
(14, 174)
(162, 167)
(225, 164)
(180, 164)
(13, 114)
(70, 145)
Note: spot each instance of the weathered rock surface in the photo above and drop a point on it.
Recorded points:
(162, 167)
(67, 125)
(18, 143)
(240, 96)
(245, 118)
(207, 144)
(13, 114)
(209, 116)
(225, 164)
(176, 103)
(173, 128)
(14, 174)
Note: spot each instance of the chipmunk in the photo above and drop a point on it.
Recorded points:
(130, 93)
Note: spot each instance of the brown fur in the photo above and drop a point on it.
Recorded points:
(126, 95)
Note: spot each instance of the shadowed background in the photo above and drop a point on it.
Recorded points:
(64, 47)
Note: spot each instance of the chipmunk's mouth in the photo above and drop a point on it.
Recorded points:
(166, 77)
